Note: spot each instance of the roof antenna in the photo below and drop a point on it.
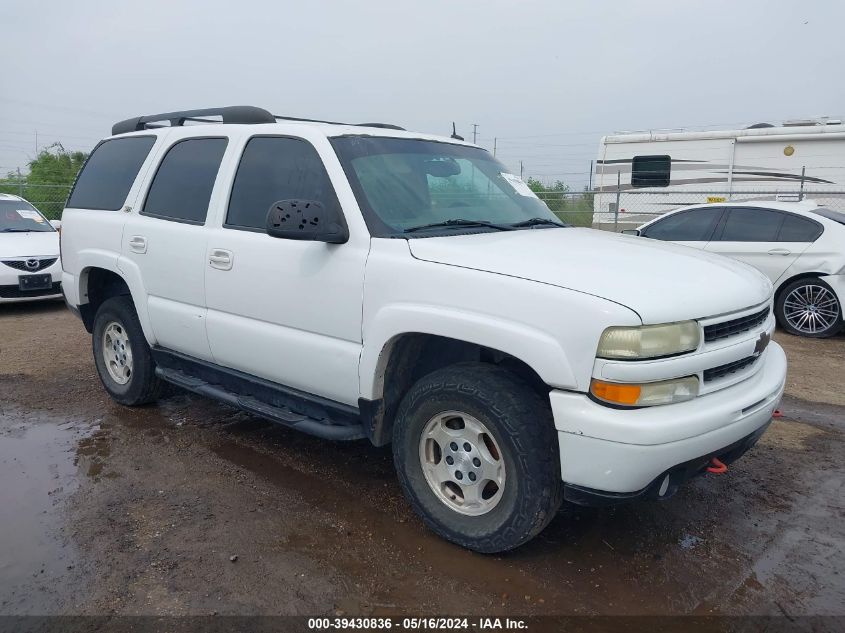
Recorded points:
(455, 133)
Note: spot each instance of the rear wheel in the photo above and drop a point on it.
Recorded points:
(809, 307)
(121, 353)
(477, 456)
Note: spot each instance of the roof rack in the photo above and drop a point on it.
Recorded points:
(228, 114)
(386, 126)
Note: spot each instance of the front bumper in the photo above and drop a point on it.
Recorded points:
(10, 291)
(623, 453)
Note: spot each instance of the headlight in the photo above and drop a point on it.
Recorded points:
(649, 341)
(646, 394)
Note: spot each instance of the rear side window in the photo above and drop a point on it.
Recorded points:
(798, 229)
(109, 172)
(751, 225)
(650, 171)
(695, 225)
(273, 169)
(181, 189)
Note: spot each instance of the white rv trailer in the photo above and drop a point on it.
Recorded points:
(657, 171)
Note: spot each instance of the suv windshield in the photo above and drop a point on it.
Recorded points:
(416, 188)
(17, 216)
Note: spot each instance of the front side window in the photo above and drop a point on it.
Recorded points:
(405, 184)
(182, 186)
(109, 172)
(695, 225)
(18, 216)
(274, 169)
(650, 171)
(751, 225)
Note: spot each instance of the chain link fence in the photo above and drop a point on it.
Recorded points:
(629, 209)
(49, 199)
(597, 209)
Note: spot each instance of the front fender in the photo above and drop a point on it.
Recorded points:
(541, 351)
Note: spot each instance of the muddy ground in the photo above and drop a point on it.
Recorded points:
(189, 507)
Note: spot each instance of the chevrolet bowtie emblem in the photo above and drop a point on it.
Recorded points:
(762, 343)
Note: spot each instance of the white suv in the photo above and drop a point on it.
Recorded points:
(368, 282)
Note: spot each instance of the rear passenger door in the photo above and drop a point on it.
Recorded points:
(693, 227)
(165, 240)
(767, 239)
(288, 311)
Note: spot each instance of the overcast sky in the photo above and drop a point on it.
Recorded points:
(546, 77)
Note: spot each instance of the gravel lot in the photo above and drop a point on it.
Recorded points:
(189, 507)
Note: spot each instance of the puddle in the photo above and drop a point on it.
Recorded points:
(38, 472)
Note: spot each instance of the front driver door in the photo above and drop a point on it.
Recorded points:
(285, 310)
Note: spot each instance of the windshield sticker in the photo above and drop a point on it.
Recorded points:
(518, 184)
(29, 214)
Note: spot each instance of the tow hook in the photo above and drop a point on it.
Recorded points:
(777, 413)
(717, 467)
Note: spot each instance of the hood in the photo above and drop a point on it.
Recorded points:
(43, 244)
(662, 282)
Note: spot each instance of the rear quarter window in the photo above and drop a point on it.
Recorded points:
(109, 172)
(798, 229)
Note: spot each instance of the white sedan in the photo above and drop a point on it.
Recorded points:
(800, 246)
(29, 253)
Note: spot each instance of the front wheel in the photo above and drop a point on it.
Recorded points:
(477, 456)
(809, 307)
(122, 355)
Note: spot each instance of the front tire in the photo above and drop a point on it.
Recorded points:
(477, 456)
(809, 307)
(122, 355)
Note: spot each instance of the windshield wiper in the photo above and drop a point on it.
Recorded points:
(537, 222)
(16, 231)
(460, 223)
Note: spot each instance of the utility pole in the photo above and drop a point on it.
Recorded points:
(474, 132)
(36, 143)
(590, 186)
(521, 170)
(801, 193)
(494, 145)
(20, 183)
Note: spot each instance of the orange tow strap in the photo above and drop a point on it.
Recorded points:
(717, 467)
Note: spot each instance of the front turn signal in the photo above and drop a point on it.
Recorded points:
(647, 394)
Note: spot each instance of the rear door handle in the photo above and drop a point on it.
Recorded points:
(220, 259)
(138, 244)
(780, 251)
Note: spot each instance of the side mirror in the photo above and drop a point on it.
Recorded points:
(56, 224)
(631, 232)
(306, 220)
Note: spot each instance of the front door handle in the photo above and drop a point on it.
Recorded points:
(138, 244)
(780, 251)
(221, 259)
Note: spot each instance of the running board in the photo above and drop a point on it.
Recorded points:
(260, 398)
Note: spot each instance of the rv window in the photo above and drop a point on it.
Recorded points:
(695, 225)
(650, 171)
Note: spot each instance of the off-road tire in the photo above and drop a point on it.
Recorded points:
(780, 309)
(521, 422)
(144, 386)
